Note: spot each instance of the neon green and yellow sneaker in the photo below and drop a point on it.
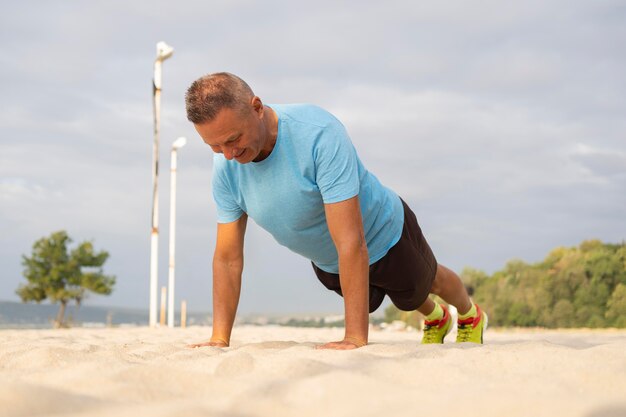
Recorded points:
(471, 329)
(436, 330)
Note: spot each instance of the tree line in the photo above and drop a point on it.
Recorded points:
(581, 286)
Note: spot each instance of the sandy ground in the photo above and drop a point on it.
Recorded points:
(275, 371)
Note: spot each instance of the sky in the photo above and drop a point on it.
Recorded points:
(502, 124)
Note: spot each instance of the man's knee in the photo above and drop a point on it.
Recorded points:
(439, 282)
(376, 297)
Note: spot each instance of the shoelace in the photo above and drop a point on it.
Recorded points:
(464, 331)
(430, 336)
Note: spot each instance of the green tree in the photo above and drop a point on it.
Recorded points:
(562, 314)
(61, 276)
(616, 312)
(583, 286)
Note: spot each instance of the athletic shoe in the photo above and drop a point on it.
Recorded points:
(436, 330)
(471, 329)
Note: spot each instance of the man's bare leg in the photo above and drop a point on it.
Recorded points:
(450, 288)
(427, 307)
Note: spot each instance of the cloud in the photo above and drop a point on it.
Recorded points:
(600, 162)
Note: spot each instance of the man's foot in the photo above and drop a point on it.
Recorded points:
(436, 330)
(471, 329)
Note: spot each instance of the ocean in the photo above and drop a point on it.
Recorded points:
(41, 316)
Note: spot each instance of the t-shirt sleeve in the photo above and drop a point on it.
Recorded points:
(227, 208)
(336, 166)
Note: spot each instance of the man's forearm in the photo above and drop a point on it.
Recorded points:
(354, 280)
(226, 290)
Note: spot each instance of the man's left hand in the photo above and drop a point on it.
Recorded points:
(346, 344)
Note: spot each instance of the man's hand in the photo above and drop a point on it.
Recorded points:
(212, 343)
(227, 268)
(345, 344)
(346, 230)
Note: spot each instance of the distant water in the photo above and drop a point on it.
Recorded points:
(40, 316)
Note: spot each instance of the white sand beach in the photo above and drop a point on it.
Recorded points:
(275, 371)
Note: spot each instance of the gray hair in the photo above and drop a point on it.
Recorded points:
(209, 94)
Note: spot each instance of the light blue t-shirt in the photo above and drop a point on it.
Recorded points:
(313, 162)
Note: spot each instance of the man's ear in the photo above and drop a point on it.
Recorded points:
(257, 105)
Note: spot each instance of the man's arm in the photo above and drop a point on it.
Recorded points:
(346, 230)
(227, 269)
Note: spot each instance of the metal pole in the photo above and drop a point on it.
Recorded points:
(163, 298)
(183, 314)
(179, 143)
(163, 52)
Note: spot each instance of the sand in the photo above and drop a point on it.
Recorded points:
(275, 371)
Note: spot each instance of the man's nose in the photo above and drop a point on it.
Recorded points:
(228, 152)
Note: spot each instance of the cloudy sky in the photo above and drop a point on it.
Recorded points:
(501, 123)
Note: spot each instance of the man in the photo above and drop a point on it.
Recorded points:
(293, 169)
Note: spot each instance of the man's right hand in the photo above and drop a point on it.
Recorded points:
(227, 268)
(212, 343)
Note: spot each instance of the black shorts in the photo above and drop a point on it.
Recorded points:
(405, 273)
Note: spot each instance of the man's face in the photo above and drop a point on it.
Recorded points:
(238, 135)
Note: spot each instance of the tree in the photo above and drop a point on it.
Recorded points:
(583, 286)
(562, 314)
(61, 276)
(616, 311)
